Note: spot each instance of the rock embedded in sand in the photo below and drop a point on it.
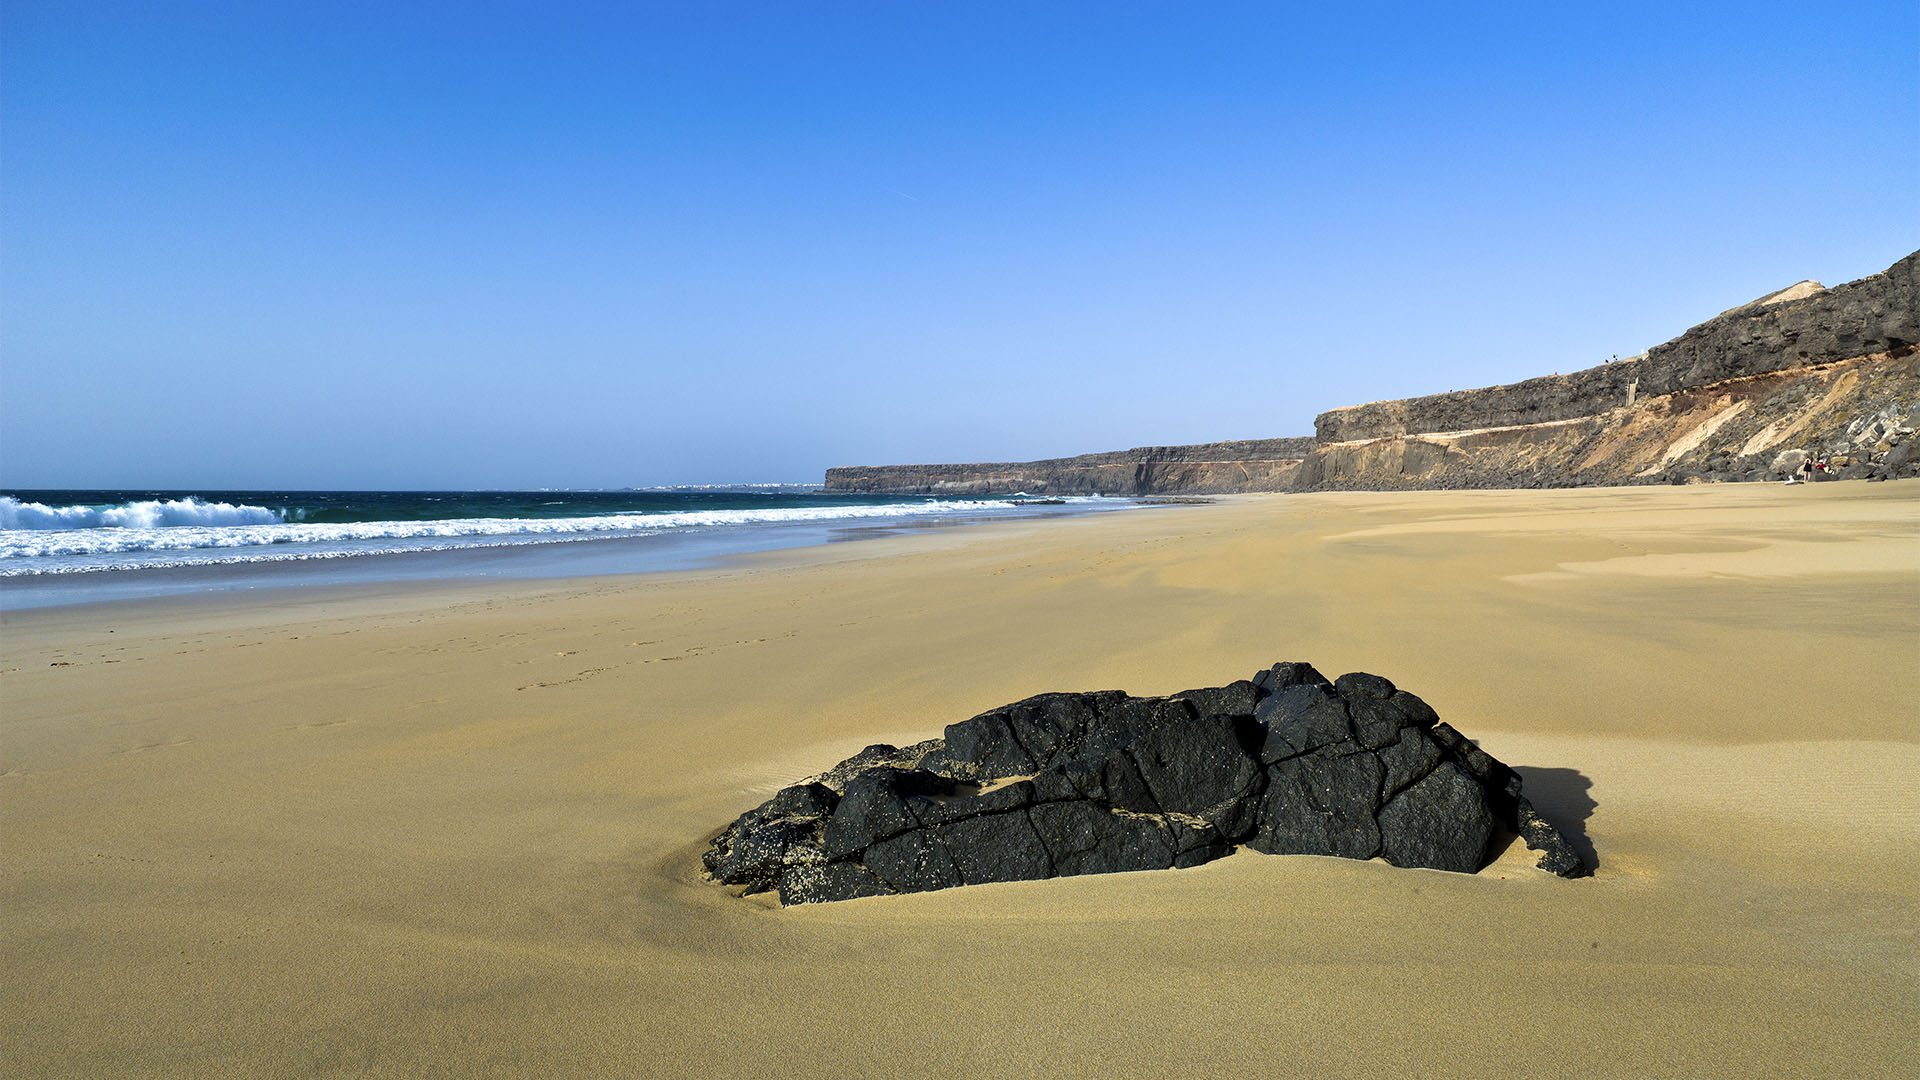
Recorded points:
(1286, 763)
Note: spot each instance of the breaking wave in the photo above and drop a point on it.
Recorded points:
(171, 527)
(148, 514)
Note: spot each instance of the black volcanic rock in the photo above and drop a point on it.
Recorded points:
(1062, 784)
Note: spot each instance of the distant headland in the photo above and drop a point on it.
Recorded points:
(1805, 371)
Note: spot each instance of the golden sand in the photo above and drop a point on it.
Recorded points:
(447, 831)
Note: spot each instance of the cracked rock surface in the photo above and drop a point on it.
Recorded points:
(1286, 763)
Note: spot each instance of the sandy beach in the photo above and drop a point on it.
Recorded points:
(455, 830)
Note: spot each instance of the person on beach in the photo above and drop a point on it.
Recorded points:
(1806, 470)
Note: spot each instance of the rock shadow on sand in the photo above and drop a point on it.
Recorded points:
(1562, 797)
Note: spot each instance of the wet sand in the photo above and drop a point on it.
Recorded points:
(454, 830)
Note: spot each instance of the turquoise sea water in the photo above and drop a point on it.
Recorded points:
(79, 546)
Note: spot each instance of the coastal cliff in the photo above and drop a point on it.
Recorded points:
(1208, 468)
(1857, 414)
(1804, 370)
(1831, 372)
(1794, 328)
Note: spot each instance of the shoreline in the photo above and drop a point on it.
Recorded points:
(352, 598)
(666, 550)
(457, 827)
(419, 576)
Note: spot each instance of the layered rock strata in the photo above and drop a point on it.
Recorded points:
(1859, 416)
(1807, 370)
(1087, 783)
(1874, 315)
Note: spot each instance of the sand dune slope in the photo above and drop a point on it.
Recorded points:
(447, 832)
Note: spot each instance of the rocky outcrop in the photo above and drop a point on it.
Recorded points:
(1208, 468)
(1875, 315)
(1089, 783)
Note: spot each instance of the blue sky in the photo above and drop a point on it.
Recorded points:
(500, 245)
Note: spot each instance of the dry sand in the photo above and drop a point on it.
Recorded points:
(448, 832)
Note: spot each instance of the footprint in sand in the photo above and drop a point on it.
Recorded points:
(156, 746)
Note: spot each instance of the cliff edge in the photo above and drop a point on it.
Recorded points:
(1793, 328)
(1803, 371)
(1830, 373)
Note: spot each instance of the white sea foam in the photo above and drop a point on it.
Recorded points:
(149, 560)
(94, 545)
(150, 514)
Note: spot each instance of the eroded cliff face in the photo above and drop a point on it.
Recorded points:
(1827, 372)
(1208, 468)
(1858, 414)
(1794, 328)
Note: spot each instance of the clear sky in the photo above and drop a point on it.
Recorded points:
(498, 245)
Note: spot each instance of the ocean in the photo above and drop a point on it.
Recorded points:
(79, 546)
